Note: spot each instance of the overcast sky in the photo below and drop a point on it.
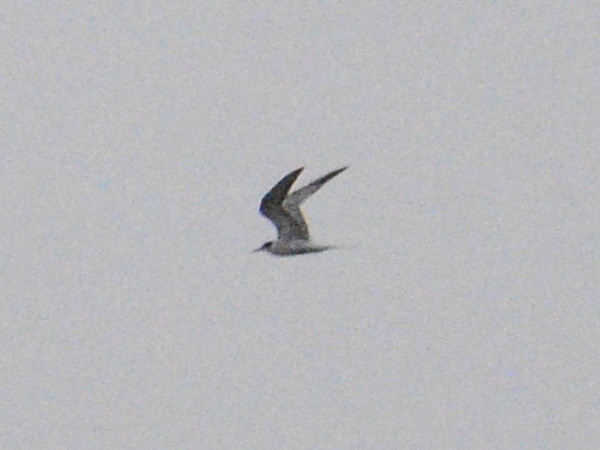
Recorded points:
(136, 141)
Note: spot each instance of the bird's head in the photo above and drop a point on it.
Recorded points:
(266, 246)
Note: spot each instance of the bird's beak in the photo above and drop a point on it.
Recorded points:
(257, 250)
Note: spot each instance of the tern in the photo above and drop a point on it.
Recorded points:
(284, 211)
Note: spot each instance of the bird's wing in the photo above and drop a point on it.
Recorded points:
(296, 198)
(293, 201)
(272, 208)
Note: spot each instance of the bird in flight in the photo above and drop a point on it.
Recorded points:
(283, 210)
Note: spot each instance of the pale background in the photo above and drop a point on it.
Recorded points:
(136, 141)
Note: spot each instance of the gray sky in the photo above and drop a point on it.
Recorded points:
(137, 139)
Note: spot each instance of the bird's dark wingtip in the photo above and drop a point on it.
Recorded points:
(335, 173)
(340, 170)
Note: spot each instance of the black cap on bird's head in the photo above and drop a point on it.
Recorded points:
(266, 246)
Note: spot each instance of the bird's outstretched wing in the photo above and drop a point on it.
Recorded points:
(293, 201)
(297, 197)
(272, 208)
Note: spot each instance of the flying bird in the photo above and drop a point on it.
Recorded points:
(283, 210)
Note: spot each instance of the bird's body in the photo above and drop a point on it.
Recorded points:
(286, 248)
(284, 211)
